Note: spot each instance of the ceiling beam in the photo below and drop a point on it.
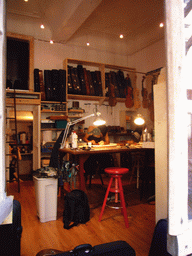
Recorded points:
(66, 17)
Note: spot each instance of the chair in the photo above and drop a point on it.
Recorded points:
(96, 164)
(116, 174)
(159, 240)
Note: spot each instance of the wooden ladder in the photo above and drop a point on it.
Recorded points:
(12, 141)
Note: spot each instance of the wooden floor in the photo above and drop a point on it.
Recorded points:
(37, 236)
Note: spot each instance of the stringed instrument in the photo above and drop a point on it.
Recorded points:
(151, 102)
(137, 102)
(144, 93)
(112, 98)
(129, 102)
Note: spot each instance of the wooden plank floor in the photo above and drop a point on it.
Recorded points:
(37, 236)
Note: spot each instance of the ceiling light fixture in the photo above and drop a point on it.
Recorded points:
(51, 41)
(88, 44)
(161, 25)
(25, 0)
(42, 26)
(121, 36)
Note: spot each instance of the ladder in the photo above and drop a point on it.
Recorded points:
(12, 149)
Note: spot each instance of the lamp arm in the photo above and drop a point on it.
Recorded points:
(80, 119)
(68, 126)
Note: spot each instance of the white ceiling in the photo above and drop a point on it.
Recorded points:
(100, 22)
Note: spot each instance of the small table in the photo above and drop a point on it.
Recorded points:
(82, 156)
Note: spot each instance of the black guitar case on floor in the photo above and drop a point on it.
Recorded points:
(117, 248)
(10, 234)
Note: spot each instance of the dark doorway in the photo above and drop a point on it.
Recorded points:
(17, 64)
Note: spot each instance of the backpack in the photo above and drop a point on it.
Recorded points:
(76, 208)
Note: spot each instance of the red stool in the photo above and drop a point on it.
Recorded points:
(116, 173)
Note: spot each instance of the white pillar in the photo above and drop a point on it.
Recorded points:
(5, 203)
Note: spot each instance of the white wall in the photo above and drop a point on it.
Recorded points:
(51, 56)
(150, 58)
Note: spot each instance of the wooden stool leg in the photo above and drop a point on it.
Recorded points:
(123, 203)
(105, 200)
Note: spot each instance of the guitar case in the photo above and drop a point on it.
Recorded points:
(121, 83)
(114, 82)
(75, 81)
(36, 80)
(62, 86)
(107, 84)
(80, 73)
(55, 84)
(99, 83)
(117, 248)
(70, 83)
(95, 84)
(86, 81)
(90, 81)
(41, 84)
(48, 84)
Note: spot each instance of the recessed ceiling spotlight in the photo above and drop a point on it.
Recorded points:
(25, 0)
(121, 36)
(51, 41)
(88, 44)
(161, 25)
(42, 26)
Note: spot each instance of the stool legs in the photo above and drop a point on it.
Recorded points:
(118, 189)
(105, 199)
(124, 210)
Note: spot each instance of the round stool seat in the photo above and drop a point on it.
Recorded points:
(116, 170)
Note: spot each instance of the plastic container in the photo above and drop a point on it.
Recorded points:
(74, 139)
(46, 198)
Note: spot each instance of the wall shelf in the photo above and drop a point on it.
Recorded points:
(103, 68)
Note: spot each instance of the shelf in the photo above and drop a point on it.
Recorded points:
(52, 129)
(53, 111)
(76, 110)
(53, 102)
(103, 68)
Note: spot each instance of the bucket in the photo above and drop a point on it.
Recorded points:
(23, 137)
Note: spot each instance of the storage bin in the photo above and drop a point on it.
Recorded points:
(46, 198)
(60, 123)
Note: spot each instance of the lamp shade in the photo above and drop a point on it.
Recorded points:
(139, 120)
(98, 120)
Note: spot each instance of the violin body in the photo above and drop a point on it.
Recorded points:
(129, 102)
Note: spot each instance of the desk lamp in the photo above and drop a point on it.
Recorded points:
(139, 120)
(98, 121)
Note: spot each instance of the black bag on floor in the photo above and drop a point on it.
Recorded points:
(76, 209)
(10, 234)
